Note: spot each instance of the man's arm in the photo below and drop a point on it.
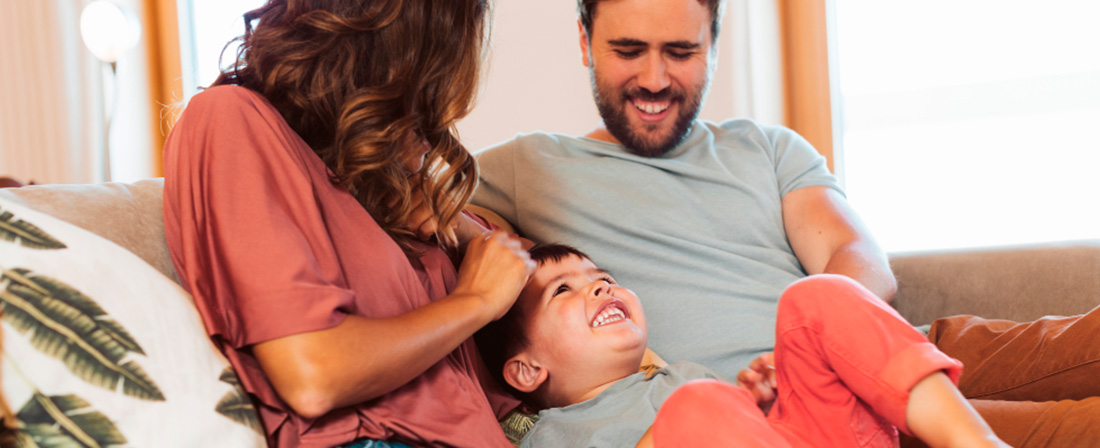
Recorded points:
(829, 237)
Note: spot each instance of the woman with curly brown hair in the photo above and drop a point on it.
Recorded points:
(313, 203)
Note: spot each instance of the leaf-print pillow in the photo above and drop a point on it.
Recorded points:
(101, 349)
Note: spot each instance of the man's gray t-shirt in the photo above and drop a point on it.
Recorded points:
(697, 233)
(618, 416)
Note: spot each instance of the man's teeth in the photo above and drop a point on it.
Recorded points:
(608, 316)
(651, 108)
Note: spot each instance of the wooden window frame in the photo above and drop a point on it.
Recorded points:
(161, 20)
(804, 32)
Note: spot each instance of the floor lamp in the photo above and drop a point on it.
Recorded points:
(108, 30)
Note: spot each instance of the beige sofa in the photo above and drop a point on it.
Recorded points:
(1018, 283)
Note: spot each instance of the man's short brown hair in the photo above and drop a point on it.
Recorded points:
(587, 11)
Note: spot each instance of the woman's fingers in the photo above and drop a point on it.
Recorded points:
(495, 267)
(515, 245)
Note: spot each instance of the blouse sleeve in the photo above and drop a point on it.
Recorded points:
(246, 232)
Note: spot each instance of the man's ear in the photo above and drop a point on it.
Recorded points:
(584, 44)
(524, 373)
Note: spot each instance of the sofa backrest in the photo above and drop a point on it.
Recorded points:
(1016, 283)
(128, 214)
(1019, 283)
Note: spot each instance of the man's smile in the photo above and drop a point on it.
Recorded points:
(651, 111)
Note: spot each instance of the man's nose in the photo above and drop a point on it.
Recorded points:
(654, 76)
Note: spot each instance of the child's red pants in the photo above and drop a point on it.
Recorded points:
(845, 363)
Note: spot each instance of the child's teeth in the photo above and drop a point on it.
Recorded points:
(608, 316)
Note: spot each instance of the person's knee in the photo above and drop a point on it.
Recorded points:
(807, 294)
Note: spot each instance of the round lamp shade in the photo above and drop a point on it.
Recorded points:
(108, 30)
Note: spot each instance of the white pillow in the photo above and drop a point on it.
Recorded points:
(134, 366)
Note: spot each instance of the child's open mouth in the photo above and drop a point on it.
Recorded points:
(611, 312)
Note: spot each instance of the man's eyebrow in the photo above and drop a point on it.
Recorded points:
(677, 44)
(684, 45)
(627, 42)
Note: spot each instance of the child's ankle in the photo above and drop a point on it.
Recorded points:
(941, 417)
(977, 441)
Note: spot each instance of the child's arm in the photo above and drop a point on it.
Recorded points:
(939, 415)
(647, 439)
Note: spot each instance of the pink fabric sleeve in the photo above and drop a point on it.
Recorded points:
(253, 247)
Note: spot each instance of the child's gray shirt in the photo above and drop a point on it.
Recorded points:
(618, 416)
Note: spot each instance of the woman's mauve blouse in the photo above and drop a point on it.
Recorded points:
(270, 248)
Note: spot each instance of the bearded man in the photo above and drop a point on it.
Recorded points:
(708, 222)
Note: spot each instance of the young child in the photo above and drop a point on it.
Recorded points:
(849, 370)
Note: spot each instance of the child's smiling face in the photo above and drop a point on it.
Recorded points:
(582, 324)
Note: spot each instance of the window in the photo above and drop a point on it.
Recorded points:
(971, 122)
(206, 26)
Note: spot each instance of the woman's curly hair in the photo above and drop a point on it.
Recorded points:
(362, 82)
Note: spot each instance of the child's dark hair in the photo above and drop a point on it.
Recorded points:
(507, 337)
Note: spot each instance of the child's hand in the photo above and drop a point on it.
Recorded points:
(760, 380)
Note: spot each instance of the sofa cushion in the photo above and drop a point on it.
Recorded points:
(99, 346)
(130, 215)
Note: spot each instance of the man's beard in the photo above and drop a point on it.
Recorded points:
(612, 105)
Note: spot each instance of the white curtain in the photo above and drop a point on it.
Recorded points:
(50, 106)
(750, 39)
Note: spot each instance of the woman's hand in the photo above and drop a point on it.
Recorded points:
(495, 268)
(467, 229)
(760, 380)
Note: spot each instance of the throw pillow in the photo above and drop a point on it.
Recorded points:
(102, 349)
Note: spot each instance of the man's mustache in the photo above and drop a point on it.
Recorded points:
(645, 95)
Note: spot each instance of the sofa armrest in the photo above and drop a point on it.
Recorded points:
(1015, 283)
